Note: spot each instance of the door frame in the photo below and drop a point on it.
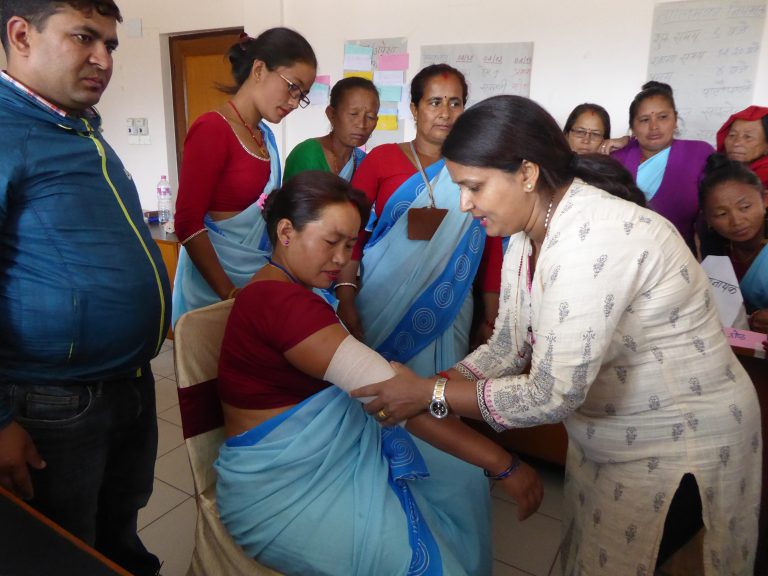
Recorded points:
(181, 46)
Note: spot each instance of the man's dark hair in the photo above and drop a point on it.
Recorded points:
(37, 12)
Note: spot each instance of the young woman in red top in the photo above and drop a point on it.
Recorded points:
(230, 160)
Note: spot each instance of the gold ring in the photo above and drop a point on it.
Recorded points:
(381, 414)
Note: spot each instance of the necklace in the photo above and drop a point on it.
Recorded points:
(291, 277)
(261, 148)
(333, 161)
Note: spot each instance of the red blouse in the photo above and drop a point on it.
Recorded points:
(217, 173)
(379, 175)
(267, 319)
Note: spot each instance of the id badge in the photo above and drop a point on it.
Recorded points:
(424, 222)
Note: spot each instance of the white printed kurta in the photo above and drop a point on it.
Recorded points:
(628, 351)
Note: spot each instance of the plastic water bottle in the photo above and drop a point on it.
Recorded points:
(163, 200)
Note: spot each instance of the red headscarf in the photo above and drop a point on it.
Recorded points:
(760, 165)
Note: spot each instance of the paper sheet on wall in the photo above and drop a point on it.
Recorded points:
(490, 69)
(725, 289)
(383, 60)
(707, 50)
(320, 90)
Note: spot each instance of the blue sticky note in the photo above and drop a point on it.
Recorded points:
(390, 93)
(358, 50)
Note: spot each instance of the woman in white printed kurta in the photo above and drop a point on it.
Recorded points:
(606, 323)
(628, 352)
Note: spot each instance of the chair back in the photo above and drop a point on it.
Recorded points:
(197, 344)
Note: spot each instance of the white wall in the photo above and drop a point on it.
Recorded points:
(584, 50)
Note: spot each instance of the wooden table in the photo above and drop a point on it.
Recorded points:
(169, 249)
(31, 544)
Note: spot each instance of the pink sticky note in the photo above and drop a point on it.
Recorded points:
(745, 338)
(393, 61)
(326, 79)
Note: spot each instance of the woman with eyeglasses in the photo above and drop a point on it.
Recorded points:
(231, 164)
(665, 168)
(353, 112)
(588, 125)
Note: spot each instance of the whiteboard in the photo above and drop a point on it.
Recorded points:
(707, 50)
(490, 69)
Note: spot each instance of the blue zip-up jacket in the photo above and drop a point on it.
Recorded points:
(84, 293)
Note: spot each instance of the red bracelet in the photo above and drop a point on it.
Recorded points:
(444, 374)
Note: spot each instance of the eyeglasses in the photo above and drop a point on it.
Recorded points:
(295, 92)
(584, 134)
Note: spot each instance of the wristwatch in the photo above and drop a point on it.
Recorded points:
(439, 407)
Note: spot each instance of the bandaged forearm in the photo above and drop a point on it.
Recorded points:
(354, 365)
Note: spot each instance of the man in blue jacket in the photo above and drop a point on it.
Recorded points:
(84, 295)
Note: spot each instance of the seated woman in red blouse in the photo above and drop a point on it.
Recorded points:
(230, 160)
(307, 481)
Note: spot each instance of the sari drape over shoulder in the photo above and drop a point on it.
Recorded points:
(323, 489)
(415, 300)
(309, 155)
(241, 244)
(677, 195)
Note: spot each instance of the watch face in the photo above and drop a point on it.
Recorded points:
(438, 409)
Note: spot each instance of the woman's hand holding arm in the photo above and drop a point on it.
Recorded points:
(316, 356)
(406, 395)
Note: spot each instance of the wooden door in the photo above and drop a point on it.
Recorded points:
(199, 65)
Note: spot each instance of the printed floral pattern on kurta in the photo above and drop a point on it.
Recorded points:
(626, 348)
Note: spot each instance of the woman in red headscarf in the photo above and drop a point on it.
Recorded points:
(744, 138)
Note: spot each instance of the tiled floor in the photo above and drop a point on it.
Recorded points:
(167, 524)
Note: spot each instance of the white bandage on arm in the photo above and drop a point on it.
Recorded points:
(354, 365)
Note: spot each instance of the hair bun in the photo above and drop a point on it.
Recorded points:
(716, 162)
(656, 85)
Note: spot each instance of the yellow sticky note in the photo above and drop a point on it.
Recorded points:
(387, 122)
(359, 74)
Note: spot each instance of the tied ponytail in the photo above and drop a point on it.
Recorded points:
(607, 174)
(275, 47)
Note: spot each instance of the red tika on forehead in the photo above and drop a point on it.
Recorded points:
(445, 75)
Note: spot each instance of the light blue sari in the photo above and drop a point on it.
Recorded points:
(354, 161)
(323, 489)
(754, 284)
(415, 302)
(241, 244)
(650, 173)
